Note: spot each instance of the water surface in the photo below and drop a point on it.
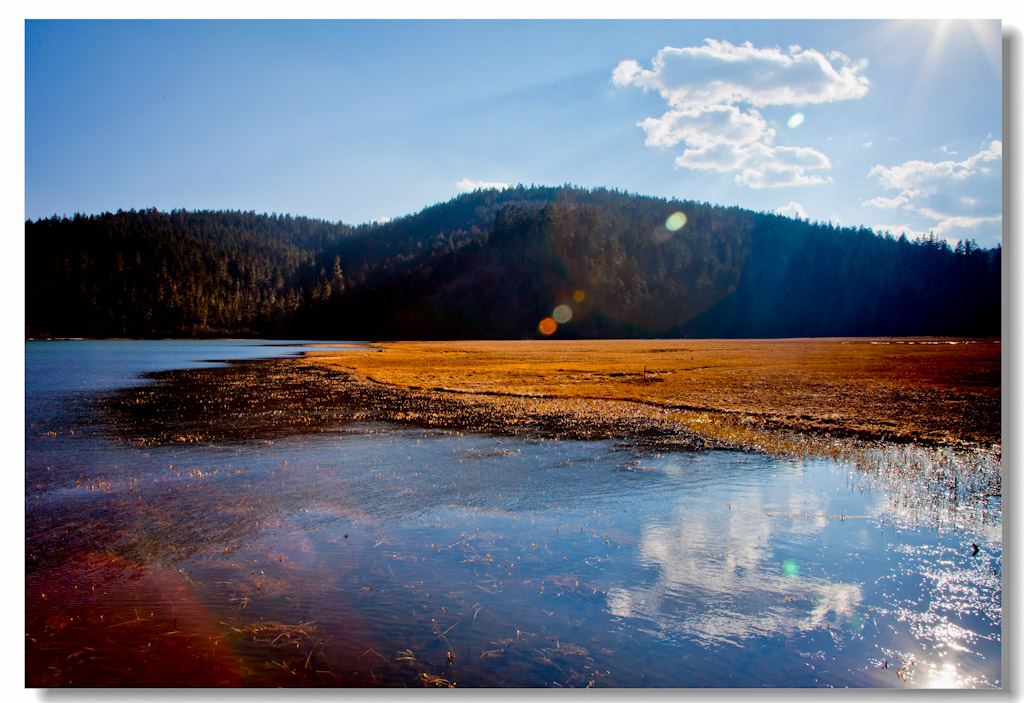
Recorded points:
(346, 553)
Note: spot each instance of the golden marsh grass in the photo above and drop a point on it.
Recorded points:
(749, 393)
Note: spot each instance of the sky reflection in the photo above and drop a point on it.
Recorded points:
(734, 557)
(808, 553)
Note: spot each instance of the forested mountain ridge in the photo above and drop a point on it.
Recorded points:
(493, 264)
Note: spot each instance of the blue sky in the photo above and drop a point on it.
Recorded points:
(895, 125)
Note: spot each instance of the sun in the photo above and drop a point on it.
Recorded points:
(950, 35)
(933, 43)
(945, 36)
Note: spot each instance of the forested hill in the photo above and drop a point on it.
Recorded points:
(493, 264)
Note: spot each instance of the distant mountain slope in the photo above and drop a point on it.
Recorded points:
(493, 264)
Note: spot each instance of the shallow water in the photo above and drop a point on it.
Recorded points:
(345, 553)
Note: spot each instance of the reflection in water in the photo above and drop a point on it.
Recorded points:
(733, 559)
(292, 545)
(935, 589)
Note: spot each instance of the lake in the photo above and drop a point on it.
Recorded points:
(330, 551)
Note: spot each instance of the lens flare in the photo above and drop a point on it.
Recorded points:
(578, 296)
(796, 120)
(547, 326)
(675, 222)
(790, 568)
(562, 314)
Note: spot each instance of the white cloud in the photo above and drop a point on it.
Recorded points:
(897, 230)
(706, 126)
(955, 195)
(720, 73)
(900, 201)
(866, 144)
(759, 165)
(793, 209)
(929, 174)
(713, 91)
(952, 227)
(626, 73)
(467, 186)
(769, 174)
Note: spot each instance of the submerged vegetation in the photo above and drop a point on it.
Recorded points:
(496, 265)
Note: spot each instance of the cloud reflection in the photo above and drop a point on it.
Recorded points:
(723, 577)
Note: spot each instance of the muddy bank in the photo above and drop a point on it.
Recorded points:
(271, 399)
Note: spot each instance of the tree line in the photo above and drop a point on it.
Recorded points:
(493, 264)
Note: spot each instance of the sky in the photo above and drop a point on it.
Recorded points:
(893, 125)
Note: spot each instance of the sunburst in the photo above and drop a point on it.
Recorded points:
(931, 44)
(946, 34)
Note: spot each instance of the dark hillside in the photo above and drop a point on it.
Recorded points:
(493, 264)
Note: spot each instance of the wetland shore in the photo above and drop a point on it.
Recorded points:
(286, 521)
(789, 396)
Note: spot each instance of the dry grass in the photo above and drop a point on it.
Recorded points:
(739, 392)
